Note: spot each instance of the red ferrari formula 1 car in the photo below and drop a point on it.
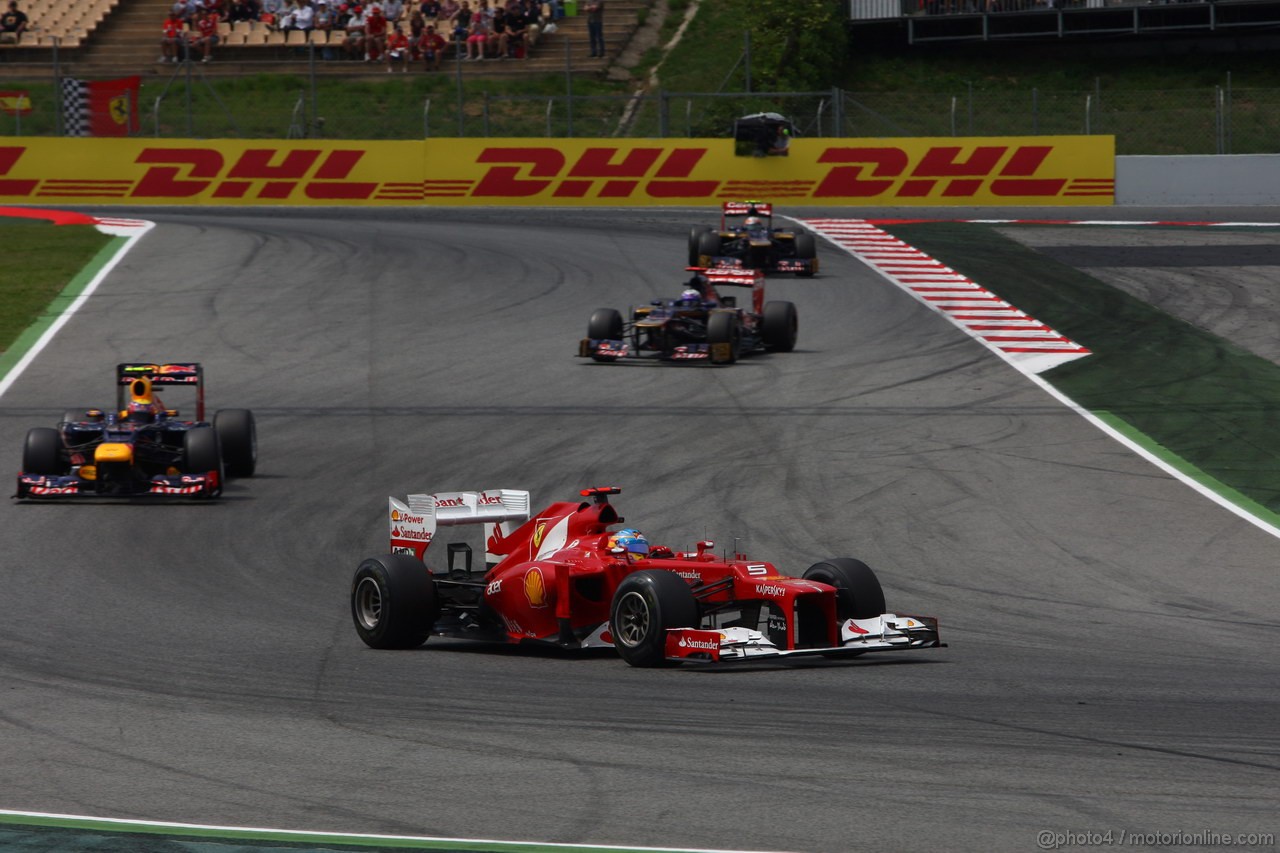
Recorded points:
(141, 447)
(561, 577)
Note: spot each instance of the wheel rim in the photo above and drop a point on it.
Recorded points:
(633, 619)
(368, 603)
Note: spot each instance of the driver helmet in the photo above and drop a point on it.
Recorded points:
(753, 222)
(630, 540)
(142, 403)
(691, 296)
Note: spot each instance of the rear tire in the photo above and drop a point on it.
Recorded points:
(695, 241)
(393, 602)
(858, 592)
(807, 250)
(645, 605)
(42, 453)
(708, 245)
(724, 335)
(238, 433)
(779, 326)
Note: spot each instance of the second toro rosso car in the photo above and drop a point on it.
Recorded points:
(567, 576)
(141, 447)
(747, 238)
(701, 325)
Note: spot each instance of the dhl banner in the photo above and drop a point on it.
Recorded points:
(968, 171)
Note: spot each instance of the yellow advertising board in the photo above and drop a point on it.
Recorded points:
(967, 171)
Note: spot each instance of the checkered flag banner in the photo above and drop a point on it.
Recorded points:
(100, 107)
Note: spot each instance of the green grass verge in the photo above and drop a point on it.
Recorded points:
(1200, 397)
(40, 258)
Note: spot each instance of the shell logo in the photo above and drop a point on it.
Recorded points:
(538, 533)
(535, 587)
(395, 515)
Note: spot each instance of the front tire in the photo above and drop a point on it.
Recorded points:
(393, 602)
(779, 326)
(238, 432)
(858, 592)
(42, 453)
(645, 605)
(605, 325)
(725, 336)
(202, 453)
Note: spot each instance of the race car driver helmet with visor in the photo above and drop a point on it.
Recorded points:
(629, 540)
(143, 405)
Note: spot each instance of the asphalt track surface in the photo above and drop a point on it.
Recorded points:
(1113, 634)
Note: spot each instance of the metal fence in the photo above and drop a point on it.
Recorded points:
(1210, 120)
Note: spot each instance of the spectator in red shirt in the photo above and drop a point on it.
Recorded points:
(432, 46)
(173, 39)
(397, 49)
(375, 34)
(207, 33)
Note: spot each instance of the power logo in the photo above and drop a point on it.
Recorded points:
(612, 173)
(276, 174)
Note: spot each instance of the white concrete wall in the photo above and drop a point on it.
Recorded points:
(1234, 179)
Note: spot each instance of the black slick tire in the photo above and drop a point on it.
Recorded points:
(238, 433)
(42, 452)
(645, 605)
(779, 326)
(858, 592)
(708, 246)
(202, 453)
(724, 336)
(695, 241)
(393, 602)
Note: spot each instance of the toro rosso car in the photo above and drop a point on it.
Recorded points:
(562, 577)
(747, 238)
(140, 447)
(702, 325)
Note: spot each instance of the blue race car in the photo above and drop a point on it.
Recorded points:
(140, 448)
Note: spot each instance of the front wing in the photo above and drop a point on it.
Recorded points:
(607, 350)
(54, 487)
(884, 633)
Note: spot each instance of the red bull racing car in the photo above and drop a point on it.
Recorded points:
(141, 447)
(563, 577)
(701, 325)
(747, 238)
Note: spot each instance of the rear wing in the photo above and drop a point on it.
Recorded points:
(747, 208)
(188, 373)
(736, 276)
(412, 523)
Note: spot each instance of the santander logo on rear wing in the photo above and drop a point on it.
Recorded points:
(412, 524)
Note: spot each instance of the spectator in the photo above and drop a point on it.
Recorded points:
(272, 12)
(432, 46)
(353, 44)
(218, 7)
(185, 10)
(173, 39)
(393, 10)
(431, 10)
(498, 33)
(397, 49)
(375, 34)
(244, 10)
(324, 20)
(207, 34)
(517, 30)
(13, 23)
(300, 17)
(461, 22)
(417, 25)
(595, 26)
(531, 13)
(477, 38)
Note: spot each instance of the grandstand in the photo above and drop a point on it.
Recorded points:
(112, 38)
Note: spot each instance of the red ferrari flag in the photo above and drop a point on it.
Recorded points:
(100, 107)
